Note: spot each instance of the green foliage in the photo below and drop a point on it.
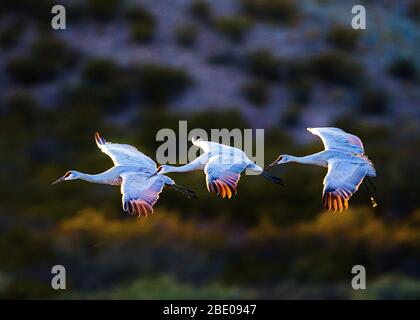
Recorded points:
(301, 91)
(142, 24)
(373, 101)
(225, 57)
(166, 287)
(256, 92)
(336, 68)
(291, 116)
(104, 84)
(159, 84)
(186, 35)
(263, 64)
(413, 10)
(102, 10)
(234, 28)
(48, 56)
(201, 10)
(403, 68)
(10, 34)
(391, 287)
(272, 11)
(343, 37)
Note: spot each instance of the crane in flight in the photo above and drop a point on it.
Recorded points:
(347, 164)
(131, 171)
(222, 165)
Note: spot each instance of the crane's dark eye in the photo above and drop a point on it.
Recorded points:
(159, 169)
(67, 174)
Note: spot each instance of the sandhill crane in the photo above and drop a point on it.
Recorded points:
(347, 166)
(222, 165)
(132, 170)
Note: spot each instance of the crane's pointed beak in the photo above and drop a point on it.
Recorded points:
(273, 164)
(58, 180)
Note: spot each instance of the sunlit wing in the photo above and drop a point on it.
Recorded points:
(341, 182)
(334, 138)
(124, 154)
(140, 193)
(222, 178)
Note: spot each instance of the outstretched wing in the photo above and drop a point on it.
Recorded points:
(124, 154)
(140, 193)
(341, 182)
(223, 177)
(334, 138)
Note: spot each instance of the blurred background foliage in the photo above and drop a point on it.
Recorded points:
(131, 68)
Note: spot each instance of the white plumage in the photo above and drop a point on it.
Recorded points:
(346, 162)
(222, 165)
(132, 170)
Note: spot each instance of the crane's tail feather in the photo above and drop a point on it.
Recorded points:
(188, 192)
(272, 178)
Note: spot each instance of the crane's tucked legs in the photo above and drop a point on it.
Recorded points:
(188, 192)
(372, 194)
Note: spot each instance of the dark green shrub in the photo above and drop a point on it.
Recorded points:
(233, 28)
(343, 37)
(301, 91)
(403, 68)
(413, 10)
(272, 11)
(201, 10)
(263, 64)
(373, 101)
(222, 58)
(290, 116)
(48, 56)
(158, 84)
(139, 14)
(186, 35)
(102, 9)
(37, 9)
(100, 71)
(103, 84)
(142, 24)
(10, 34)
(337, 69)
(256, 92)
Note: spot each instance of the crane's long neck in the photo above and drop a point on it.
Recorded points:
(315, 159)
(106, 177)
(185, 168)
(197, 164)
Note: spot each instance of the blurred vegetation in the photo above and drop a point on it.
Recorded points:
(267, 241)
(186, 35)
(403, 68)
(47, 57)
(272, 11)
(142, 24)
(234, 28)
(256, 92)
(10, 34)
(201, 10)
(343, 37)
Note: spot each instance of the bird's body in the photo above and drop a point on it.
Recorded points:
(346, 162)
(132, 170)
(222, 165)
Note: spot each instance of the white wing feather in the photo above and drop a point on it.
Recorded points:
(335, 138)
(341, 182)
(140, 192)
(124, 154)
